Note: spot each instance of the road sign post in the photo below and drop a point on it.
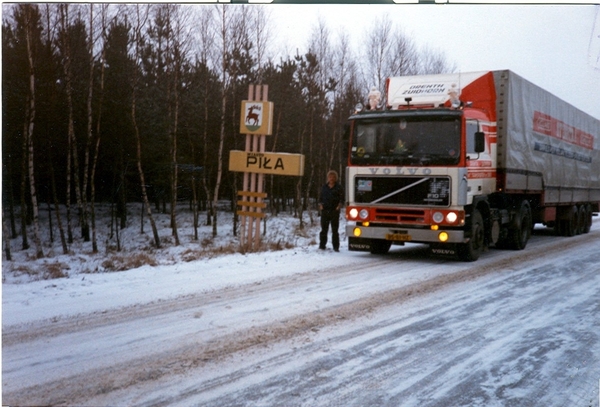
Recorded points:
(256, 121)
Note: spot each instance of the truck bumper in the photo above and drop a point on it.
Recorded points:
(398, 234)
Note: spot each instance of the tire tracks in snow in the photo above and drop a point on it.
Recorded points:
(161, 364)
(82, 322)
(389, 362)
(381, 357)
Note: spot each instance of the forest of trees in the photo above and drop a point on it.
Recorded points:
(126, 103)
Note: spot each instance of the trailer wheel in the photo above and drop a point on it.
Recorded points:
(380, 246)
(580, 219)
(587, 218)
(569, 227)
(471, 250)
(519, 236)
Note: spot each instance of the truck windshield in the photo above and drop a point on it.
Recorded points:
(406, 140)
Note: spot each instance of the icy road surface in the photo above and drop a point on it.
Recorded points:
(308, 328)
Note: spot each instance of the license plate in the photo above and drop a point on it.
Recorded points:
(397, 237)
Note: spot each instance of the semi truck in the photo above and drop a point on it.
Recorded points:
(464, 162)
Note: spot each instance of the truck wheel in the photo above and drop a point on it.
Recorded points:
(380, 246)
(580, 219)
(570, 223)
(587, 218)
(520, 235)
(471, 250)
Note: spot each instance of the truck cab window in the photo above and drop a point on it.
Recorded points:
(472, 128)
(407, 140)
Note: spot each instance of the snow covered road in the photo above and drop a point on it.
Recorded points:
(301, 327)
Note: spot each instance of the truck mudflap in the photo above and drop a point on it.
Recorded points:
(401, 235)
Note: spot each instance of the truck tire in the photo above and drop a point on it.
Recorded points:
(471, 250)
(569, 227)
(380, 246)
(580, 219)
(519, 236)
(587, 218)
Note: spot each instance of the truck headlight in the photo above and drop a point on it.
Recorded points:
(353, 213)
(451, 217)
(363, 214)
(438, 217)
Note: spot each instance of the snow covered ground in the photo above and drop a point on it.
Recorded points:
(299, 326)
(137, 246)
(205, 264)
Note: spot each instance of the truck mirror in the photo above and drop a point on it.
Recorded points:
(479, 142)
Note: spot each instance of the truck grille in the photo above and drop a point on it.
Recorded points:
(399, 215)
(413, 191)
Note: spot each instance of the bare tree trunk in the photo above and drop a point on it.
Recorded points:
(141, 173)
(209, 211)
(77, 182)
(195, 206)
(272, 201)
(207, 35)
(11, 201)
(223, 107)
(312, 164)
(66, 49)
(194, 186)
(68, 180)
(97, 147)
(24, 240)
(50, 228)
(177, 44)
(173, 114)
(85, 227)
(6, 237)
(219, 165)
(298, 207)
(61, 229)
(36, 227)
(138, 45)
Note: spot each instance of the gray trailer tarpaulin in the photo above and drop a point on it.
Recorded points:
(544, 143)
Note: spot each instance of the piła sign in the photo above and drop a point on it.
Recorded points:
(256, 117)
(266, 163)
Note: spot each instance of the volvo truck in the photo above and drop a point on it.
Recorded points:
(468, 161)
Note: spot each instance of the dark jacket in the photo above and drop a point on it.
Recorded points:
(331, 198)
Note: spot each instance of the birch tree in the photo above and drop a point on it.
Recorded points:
(178, 40)
(378, 44)
(433, 62)
(346, 94)
(85, 229)
(103, 36)
(140, 18)
(5, 236)
(231, 39)
(206, 55)
(65, 48)
(50, 31)
(32, 31)
(260, 33)
(224, 39)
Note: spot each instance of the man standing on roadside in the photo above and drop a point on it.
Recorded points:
(330, 202)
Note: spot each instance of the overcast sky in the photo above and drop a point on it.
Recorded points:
(554, 46)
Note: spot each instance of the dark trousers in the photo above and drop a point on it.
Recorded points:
(330, 217)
